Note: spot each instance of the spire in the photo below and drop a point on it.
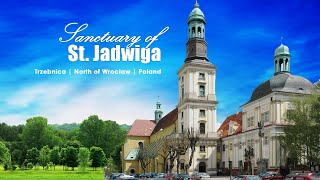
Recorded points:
(196, 4)
(281, 40)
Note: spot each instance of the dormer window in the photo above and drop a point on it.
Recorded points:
(230, 127)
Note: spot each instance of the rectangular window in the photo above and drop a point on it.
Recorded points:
(223, 147)
(182, 92)
(202, 113)
(240, 145)
(223, 164)
(182, 80)
(181, 166)
(230, 146)
(265, 117)
(250, 122)
(202, 128)
(182, 128)
(202, 148)
(201, 76)
(181, 115)
(201, 90)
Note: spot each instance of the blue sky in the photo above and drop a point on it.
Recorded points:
(241, 37)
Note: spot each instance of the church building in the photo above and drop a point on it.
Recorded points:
(196, 109)
(266, 109)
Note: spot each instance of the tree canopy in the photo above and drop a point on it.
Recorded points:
(301, 137)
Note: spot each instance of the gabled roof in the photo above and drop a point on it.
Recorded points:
(223, 130)
(166, 121)
(142, 127)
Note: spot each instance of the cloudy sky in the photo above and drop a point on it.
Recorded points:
(241, 37)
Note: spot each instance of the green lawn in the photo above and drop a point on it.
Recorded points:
(57, 174)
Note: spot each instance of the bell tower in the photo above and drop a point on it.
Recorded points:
(158, 112)
(197, 96)
(196, 45)
(281, 60)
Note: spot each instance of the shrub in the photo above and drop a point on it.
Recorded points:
(29, 165)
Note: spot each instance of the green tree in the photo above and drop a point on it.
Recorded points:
(114, 135)
(97, 157)
(92, 132)
(74, 143)
(116, 158)
(63, 157)
(44, 157)
(83, 158)
(55, 156)
(36, 133)
(33, 156)
(301, 138)
(5, 156)
(71, 157)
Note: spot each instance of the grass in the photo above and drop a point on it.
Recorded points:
(51, 174)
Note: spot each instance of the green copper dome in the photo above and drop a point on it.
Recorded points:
(282, 49)
(196, 14)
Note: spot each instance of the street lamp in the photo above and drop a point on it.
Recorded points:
(262, 162)
(249, 154)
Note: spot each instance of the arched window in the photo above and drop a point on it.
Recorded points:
(201, 90)
(202, 128)
(193, 31)
(140, 144)
(199, 32)
(276, 65)
(286, 65)
(281, 64)
(202, 167)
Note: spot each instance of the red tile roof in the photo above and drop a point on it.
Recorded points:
(166, 121)
(142, 127)
(223, 130)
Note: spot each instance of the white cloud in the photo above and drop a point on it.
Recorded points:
(40, 93)
(61, 103)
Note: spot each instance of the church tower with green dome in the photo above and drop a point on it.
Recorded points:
(281, 60)
(197, 104)
(158, 112)
(196, 45)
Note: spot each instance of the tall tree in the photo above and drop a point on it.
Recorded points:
(97, 157)
(55, 156)
(301, 137)
(44, 157)
(36, 133)
(71, 157)
(193, 138)
(5, 156)
(114, 136)
(92, 132)
(143, 158)
(83, 158)
(33, 156)
(63, 157)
